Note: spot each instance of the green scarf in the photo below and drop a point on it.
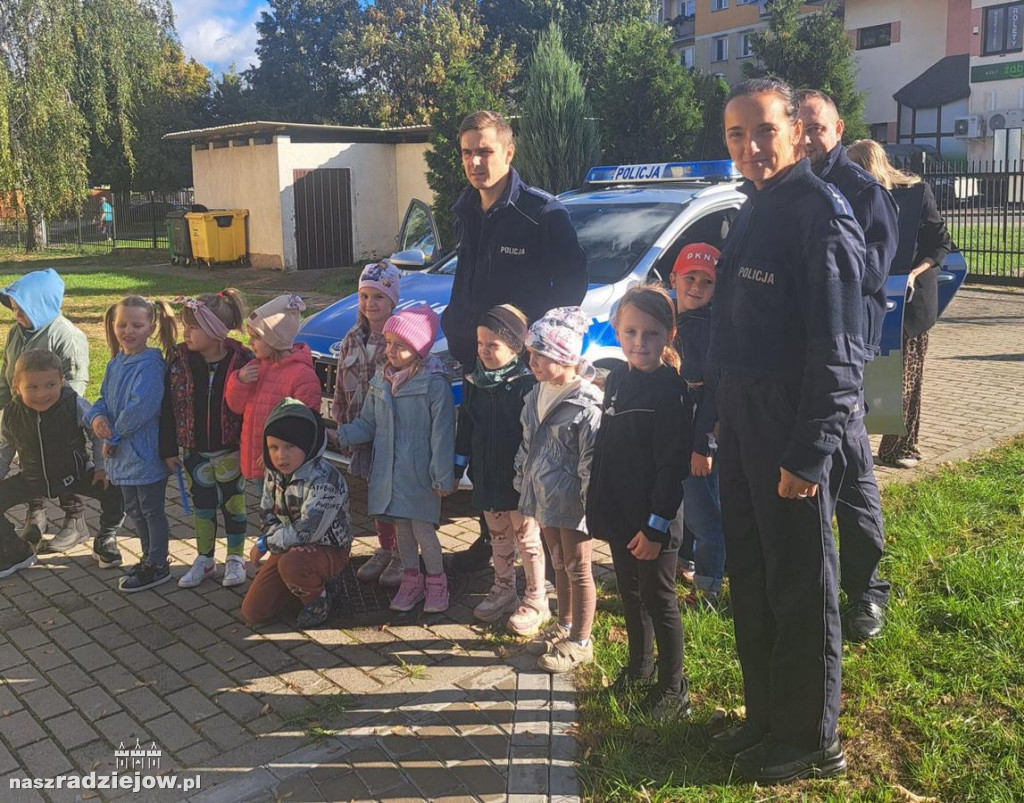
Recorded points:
(486, 379)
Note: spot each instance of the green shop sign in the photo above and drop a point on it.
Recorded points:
(1004, 71)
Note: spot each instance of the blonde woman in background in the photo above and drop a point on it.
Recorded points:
(922, 305)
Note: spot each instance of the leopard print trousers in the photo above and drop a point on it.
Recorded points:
(894, 447)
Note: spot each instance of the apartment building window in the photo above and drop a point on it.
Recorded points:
(874, 36)
(719, 5)
(747, 2)
(746, 45)
(690, 9)
(686, 57)
(720, 48)
(1004, 29)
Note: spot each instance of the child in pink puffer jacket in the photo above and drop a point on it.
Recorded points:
(281, 369)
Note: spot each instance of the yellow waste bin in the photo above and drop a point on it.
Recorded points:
(218, 235)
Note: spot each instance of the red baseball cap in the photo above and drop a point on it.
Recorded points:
(697, 256)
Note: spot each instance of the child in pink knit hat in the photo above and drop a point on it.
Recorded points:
(409, 415)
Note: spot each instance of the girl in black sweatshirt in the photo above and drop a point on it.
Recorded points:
(636, 486)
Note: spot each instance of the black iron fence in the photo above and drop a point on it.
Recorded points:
(983, 205)
(107, 220)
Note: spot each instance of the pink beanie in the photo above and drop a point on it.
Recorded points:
(383, 276)
(277, 321)
(416, 325)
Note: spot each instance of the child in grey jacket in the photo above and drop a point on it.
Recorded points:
(560, 420)
(409, 415)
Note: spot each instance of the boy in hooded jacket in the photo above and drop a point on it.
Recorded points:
(307, 529)
(43, 426)
(35, 299)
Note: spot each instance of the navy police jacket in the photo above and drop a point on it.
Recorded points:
(788, 307)
(522, 251)
(875, 211)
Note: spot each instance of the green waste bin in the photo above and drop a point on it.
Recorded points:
(178, 240)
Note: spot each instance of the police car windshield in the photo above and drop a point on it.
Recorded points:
(616, 236)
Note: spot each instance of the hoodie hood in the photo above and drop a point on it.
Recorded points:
(39, 294)
(293, 408)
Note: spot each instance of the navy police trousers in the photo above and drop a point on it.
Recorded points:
(781, 561)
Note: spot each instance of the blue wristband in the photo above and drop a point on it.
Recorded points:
(658, 523)
(461, 460)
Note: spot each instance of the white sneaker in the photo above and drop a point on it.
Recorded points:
(234, 571)
(499, 603)
(371, 571)
(202, 567)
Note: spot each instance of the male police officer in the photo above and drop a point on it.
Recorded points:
(516, 246)
(858, 508)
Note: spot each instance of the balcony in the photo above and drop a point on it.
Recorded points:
(682, 27)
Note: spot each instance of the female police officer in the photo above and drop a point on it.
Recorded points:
(787, 339)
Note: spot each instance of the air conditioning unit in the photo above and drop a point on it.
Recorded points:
(1004, 118)
(969, 127)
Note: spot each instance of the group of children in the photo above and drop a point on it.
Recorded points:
(554, 460)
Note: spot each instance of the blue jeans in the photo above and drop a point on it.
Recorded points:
(145, 505)
(702, 512)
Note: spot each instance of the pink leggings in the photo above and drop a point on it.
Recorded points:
(510, 528)
(574, 580)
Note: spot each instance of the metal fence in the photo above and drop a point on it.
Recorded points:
(983, 205)
(138, 221)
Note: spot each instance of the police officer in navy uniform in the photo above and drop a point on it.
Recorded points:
(516, 246)
(859, 506)
(787, 341)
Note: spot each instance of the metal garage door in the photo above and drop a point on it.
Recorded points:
(323, 217)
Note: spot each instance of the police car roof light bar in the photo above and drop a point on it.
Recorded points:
(713, 170)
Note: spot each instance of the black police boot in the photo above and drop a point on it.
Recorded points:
(863, 621)
(775, 762)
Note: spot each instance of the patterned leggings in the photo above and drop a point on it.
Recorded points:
(894, 447)
(215, 480)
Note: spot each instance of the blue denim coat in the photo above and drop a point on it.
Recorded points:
(413, 436)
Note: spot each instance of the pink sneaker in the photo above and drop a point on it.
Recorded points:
(437, 593)
(410, 592)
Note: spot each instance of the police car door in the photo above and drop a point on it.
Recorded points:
(883, 376)
(419, 245)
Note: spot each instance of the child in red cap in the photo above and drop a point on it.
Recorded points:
(693, 279)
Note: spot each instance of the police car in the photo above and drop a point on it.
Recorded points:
(632, 221)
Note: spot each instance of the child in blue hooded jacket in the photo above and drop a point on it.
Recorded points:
(127, 417)
(35, 299)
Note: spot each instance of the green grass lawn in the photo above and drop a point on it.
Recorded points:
(934, 706)
(992, 250)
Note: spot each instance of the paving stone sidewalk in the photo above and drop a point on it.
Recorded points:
(381, 708)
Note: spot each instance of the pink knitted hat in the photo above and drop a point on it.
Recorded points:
(277, 321)
(415, 325)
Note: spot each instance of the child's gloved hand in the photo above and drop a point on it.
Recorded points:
(261, 544)
(101, 427)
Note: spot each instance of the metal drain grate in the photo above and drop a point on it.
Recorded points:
(366, 604)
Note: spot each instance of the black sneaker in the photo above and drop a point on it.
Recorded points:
(14, 555)
(473, 559)
(319, 610)
(146, 575)
(105, 551)
(863, 621)
(663, 706)
(628, 679)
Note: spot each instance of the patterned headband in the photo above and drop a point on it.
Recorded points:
(206, 318)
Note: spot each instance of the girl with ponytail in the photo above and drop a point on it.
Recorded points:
(127, 417)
